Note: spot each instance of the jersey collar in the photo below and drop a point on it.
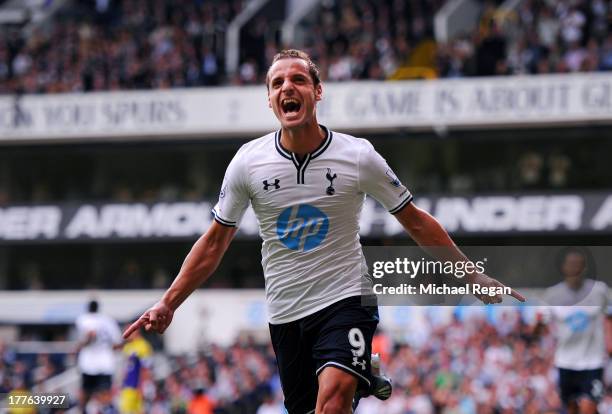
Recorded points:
(290, 156)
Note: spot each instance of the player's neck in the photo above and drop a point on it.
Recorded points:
(574, 284)
(303, 139)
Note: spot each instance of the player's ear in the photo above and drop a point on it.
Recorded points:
(319, 91)
(268, 90)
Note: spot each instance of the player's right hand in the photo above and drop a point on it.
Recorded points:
(156, 319)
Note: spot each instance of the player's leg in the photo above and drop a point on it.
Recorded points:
(571, 407)
(567, 390)
(591, 390)
(88, 385)
(344, 333)
(296, 367)
(103, 391)
(587, 406)
(336, 391)
(381, 386)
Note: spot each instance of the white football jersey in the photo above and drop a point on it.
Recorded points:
(579, 317)
(97, 358)
(308, 214)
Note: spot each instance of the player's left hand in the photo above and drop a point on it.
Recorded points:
(490, 283)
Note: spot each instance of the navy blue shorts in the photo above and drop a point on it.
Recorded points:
(96, 383)
(575, 385)
(339, 336)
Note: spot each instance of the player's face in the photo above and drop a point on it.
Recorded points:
(573, 266)
(292, 94)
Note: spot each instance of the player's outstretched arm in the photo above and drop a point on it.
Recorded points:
(200, 263)
(428, 232)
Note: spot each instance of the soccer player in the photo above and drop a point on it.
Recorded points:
(307, 185)
(138, 353)
(98, 335)
(580, 313)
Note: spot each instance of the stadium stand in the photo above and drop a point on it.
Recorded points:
(370, 39)
(547, 37)
(121, 45)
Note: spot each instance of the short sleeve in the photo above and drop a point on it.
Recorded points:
(234, 195)
(378, 180)
(114, 331)
(605, 293)
(81, 332)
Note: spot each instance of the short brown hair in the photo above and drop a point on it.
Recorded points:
(313, 69)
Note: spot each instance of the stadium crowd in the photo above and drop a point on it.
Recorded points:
(465, 364)
(22, 371)
(369, 39)
(114, 45)
(542, 36)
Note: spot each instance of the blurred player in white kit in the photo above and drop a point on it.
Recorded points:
(583, 328)
(98, 336)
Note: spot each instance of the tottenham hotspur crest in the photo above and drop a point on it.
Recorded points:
(330, 190)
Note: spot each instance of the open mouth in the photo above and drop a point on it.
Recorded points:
(290, 105)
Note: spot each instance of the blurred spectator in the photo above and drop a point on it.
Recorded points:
(130, 276)
(491, 51)
(606, 54)
(559, 170)
(44, 369)
(530, 170)
(200, 403)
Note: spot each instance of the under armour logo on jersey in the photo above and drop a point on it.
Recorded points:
(357, 362)
(330, 190)
(267, 185)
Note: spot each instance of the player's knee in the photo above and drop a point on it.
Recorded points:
(336, 403)
(587, 406)
(336, 397)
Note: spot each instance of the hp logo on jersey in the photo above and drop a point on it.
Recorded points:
(302, 227)
(578, 321)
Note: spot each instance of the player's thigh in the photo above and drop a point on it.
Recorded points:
(104, 382)
(581, 390)
(296, 367)
(587, 406)
(89, 383)
(344, 340)
(591, 390)
(567, 386)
